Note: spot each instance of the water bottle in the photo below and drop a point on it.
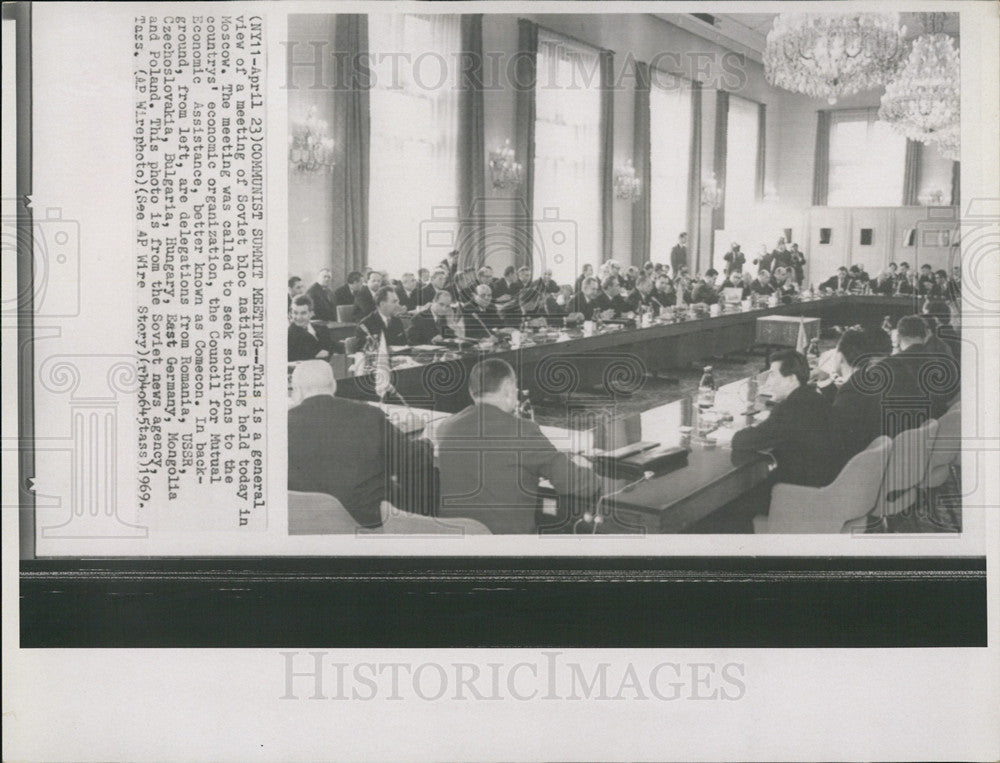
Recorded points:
(525, 409)
(706, 389)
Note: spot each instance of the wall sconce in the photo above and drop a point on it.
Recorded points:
(933, 198)
(627, 186)
(310, 147)
(504, 171)
(711, 192)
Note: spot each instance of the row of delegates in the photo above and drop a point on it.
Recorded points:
(791, 259)
(781, 282)
(356, 469)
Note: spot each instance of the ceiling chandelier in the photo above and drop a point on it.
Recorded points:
(922, 101)
(831, 55)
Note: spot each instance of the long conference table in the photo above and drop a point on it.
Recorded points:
(679, 497)
(559, 362)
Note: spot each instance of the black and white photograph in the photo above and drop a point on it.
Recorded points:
(500, 380)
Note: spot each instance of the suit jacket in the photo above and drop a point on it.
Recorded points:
(903, 285)
(886, 288)
(706, 293)
(894, 394)
(678, 259)
(373, 325)
(666, 299)
(343, 296)
(490, 463)
(734, 261)
(364, 303)
(324, 303)
(756, 287)
(425, 326)
(798, 432)
(837, 284)
(410, 301)
(478, 319)
(303, 346)
(339, 447)
(579, 304)
(619, 303)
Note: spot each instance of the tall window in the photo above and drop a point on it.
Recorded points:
(414, 136)
(742, 144)
(670, 160)
(567, 180)
(867, 158)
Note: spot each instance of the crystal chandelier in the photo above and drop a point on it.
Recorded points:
(310, 148)
(627, 186)
(922, 101)
(504, 171)
(832, 55)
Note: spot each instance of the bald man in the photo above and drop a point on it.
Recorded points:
(348, 449)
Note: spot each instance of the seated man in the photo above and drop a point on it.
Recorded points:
(704, 291)
(428, 291)
(409, 292)
(435, 325)
(557, 305)
(384, 319)
(904, 280)
(546, 283)
(533, 305)
(663, 292)
(323, 300)
(306, 341)
(344, 295)
(735, 282)
(941, 335)
(884, 284)
(295, 288)
(840, 282)
(921, 382)
(480, 315)
(612, 298)
(490, 460)
(505, 289)
(798, 429)
(940, 289)
(762, 285)
(784, 284)
(364, 298)
(925, 282)
(348, 449)
(585, 303)
(644, 297)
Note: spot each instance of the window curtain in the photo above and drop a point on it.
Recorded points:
(761, 150)
(414, 140)
(911, 172)
(694, 179)
(670, 161)
(821, 159)
(524, 144)
(353, 124)
(607, 151)
(866, 160)
(641, 210)
(956, 183)
(721, 140)
(471, 144)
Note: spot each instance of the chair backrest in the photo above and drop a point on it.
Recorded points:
(318, 514)
(345, 313)
(906, 468)
(946, 447)
(350, 345)
(397, 522)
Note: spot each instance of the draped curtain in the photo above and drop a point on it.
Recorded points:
(694, 178)
(721, 141)
(911, 172)
(414, 139)
(761, 150)
(525, 68)
(670, 161)
(821, 159)
(607, 150)
(471, 143)
(353, 127)
(641, 160)
(956, 183)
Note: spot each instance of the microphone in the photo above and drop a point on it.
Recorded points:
(489, 332)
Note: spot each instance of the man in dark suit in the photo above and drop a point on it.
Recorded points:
(364, 300)
(409, 292)
(305, 340)
(941, 335)
(762, 285)
(348, 449)
(295, 288)
(505, 289)
(491, 461)
(705, 291)
(780, 256)
(735, 259)
(839, 282)
(679, 255)
(383, 320)
(644, 297)
(585, 302)
(324, 303)
(613, 298)
(437, 283)
(798, 264)
(904, 281)
(798, 430)
(925, 282)
(344, 295)
(432, 325)
(480, 315)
